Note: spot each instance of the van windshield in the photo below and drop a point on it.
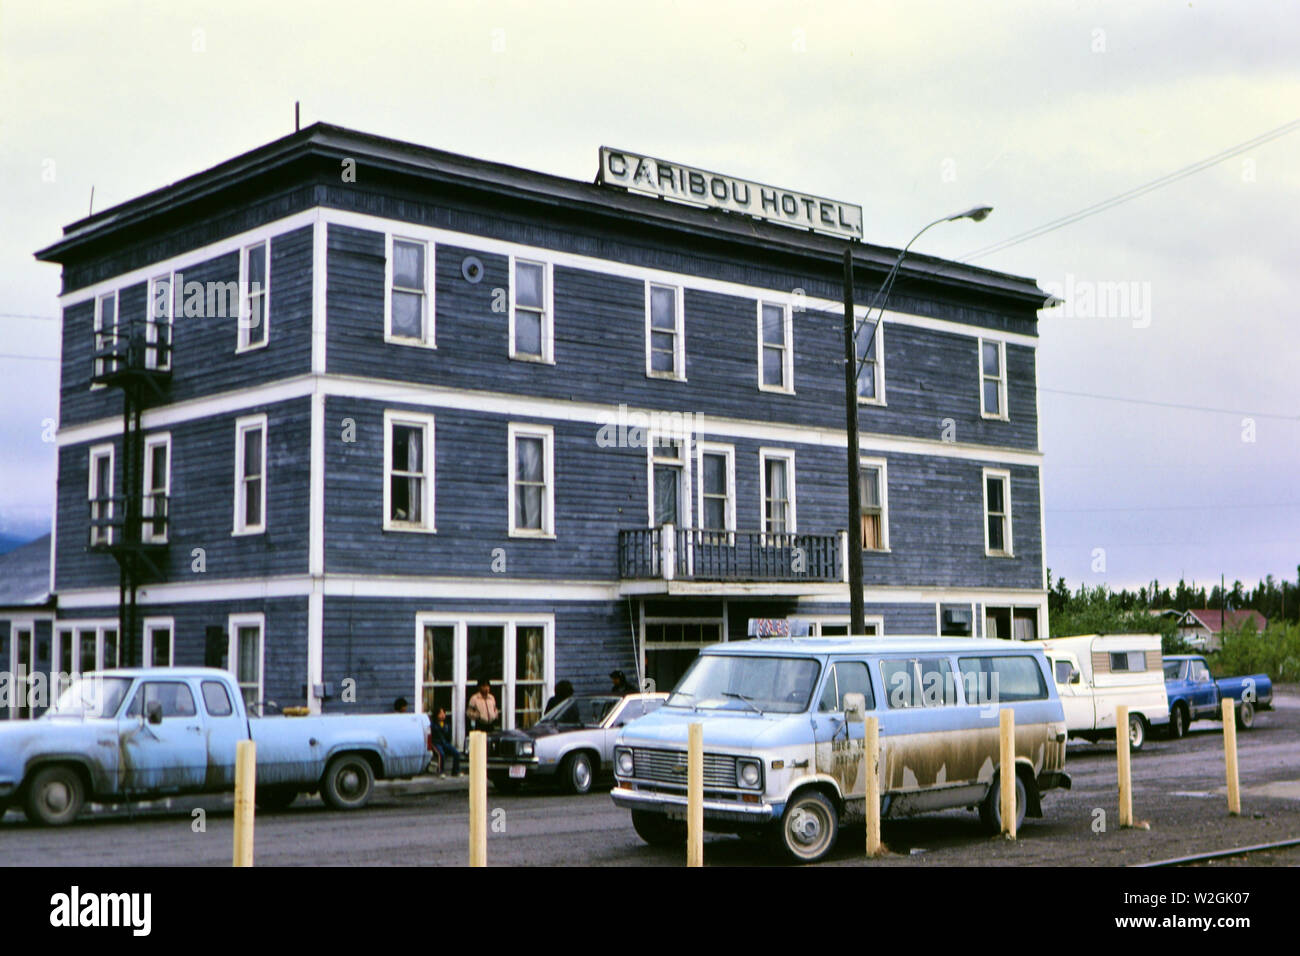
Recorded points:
(779, 685)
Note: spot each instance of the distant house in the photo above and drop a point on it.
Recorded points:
(26, 616)
(1201, 628)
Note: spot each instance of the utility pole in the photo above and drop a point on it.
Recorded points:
(857, 609)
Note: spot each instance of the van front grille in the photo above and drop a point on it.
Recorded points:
(669, 766)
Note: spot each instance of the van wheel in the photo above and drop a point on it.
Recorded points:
(657, 830)
(1137, 731)
(1246, 715)
(1177, 722)
(809, 827)
(54, 796)
(348, 782)
(991, 808)
(577, 773)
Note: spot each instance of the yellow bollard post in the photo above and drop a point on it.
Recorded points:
(1007, 769)
(477, 798)
(1123, 757)
(245, 791)
(871, 743)
(1230, 755)
(695, 795)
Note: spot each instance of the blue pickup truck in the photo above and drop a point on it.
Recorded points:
(1194, 694)
(144, 733)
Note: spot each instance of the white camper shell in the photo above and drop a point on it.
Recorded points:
(1095, 673)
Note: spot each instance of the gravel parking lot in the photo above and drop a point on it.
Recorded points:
(1178, 790)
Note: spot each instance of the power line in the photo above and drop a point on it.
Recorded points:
(1133, 193)
(30, 358)
(28, 315)
(1148, 401)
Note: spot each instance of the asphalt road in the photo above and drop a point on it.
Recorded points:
(1178, 790)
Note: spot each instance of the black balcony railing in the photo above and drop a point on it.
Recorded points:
(695, 555)
(115, 526)
(140, 348)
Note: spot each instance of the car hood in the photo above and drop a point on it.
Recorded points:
(669, 726)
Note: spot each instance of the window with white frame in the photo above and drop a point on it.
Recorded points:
(717, 481)
(22, 659)
(409, 307)
(89, 646)
(158, 650)
(993, 379)
(100, 492)
(250, 475)
(158, 330)
(408, 472)
(516, 655)
(244, 656)
(669, 482)
(776, 480)
(157, 488)
(105, 332)
(531, 321)
(255, 296)
(997, 512)
(531, 466)
(870, 346)
(873, 498)
(839, 626)
(665, 355)
(775, 348)
(1011, 623)
(670, 645)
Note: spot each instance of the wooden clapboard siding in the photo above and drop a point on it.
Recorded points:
(204, 361)
(930, 377)
(372, 641)
(284, 659)
(202, 502)
(936, 518)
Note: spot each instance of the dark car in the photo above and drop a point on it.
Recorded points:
(572, 744)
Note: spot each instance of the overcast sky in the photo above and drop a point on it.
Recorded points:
(913, 110)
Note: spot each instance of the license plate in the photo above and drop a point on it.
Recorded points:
(675, 813)
(518, 771)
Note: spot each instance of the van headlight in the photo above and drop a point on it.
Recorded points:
(749, 774)
(624, 763)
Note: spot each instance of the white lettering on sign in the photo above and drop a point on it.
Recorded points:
(667, 180)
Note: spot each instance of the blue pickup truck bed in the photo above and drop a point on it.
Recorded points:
(1194, 694)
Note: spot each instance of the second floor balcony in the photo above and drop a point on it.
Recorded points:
(121, 526)
(670, 559)
(132, 349)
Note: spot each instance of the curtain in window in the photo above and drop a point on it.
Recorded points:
(667, 485)
(778, 497)
(530, 485)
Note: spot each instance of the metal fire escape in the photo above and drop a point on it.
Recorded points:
(133, 356)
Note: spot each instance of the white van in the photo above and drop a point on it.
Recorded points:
(1095, 673)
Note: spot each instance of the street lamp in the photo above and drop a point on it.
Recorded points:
(852, 367)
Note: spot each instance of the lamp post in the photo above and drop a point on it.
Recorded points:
(852, 367)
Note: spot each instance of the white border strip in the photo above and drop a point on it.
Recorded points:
(494, 589)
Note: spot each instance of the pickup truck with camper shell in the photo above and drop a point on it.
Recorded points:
(142, 733)
(1096, 673)
(1194, 693)
(783, 726)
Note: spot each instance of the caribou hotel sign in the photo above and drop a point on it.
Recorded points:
(667, 180)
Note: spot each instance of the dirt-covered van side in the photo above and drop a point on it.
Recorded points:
(142, 733)
(783, 723)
